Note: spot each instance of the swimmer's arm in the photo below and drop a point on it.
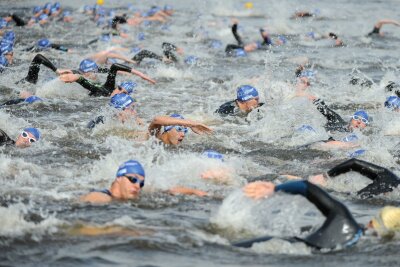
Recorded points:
(160, 121)
(142, 75)
(380, 23)
(365, 168)
(221, 175)
(118, 56)
(187, 191)
(96, 198)
(339, 144)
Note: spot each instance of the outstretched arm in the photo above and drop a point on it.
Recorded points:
(382, 22)
(367, 169)
(160, 121)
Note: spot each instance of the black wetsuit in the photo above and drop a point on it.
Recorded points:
(339, 228)
(229, 49)
(118, 20)
(231, 108)
(374, 31)
(168, 50)
(96, 89)
(18, 21)
(36, 49)
(335, 122)
(383, 180)
(5, 140)
(34, 68)
(13, 102)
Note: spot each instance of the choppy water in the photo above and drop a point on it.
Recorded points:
(38, 209)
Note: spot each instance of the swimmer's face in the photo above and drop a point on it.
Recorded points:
(25, 139)
(129, 185)
(357, 124)
(9, 57)
(249, 105)
(90, 75)
(175, 137)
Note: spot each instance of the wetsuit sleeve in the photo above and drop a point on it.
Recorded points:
(13, 102)
(34, 68)
(321, 199)
(5, 139)
(236, 35)
(18, 21)
(103, 70)
(230, 47)
(383, 179)
(94, 89)
(116, 20)
(227, 109)
(170, 55)
(330, 115)
(59, 47)
(146, 54)
(168, 47)
(110, 82)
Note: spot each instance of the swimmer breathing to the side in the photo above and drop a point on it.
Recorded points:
(25, 139)
(379, 24)
(127, 185)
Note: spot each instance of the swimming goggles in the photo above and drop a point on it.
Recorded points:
(181, 129)
(135, 180)
(359, 118)
(25, 135)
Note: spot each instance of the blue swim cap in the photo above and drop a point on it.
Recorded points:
(66, 13)
(121, 101)
(363, 114)
(53, 10)
(101, 12)
(308, 74)
(37, 9)
(306, 128)
(3, 61)
(44, 43)
(212, 154)
(282, 39)
(178, 116)
(311, 35)
(105, 37)
(47, 6)
(392, 102)
(88, 65)
(128, 86)
(136, 50)
(35, 132)
(3, 23)
(216, 44)
(32, 99)
(5, 48)
(191, 60)
(57, 5)
(140, 36)
(350, 138)
(130, 167)
(357, 153)
(43, 17)
(246, 92)
(240, 53)
(9, 35)
(111, 13)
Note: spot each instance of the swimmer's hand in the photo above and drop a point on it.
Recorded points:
(187, 191)
(200, 128)
(259, 189)
(63, 71)
(318, 180)
(69, 78)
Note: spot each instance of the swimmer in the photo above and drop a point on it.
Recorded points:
(241, 49)
(393, 87)
(359, 120)
(393, 103)
(25, 139)
(340, 230)
(338, 41)
(127, 185)
(45, 44)
(23, 99)
(168, 57)
(379, 24)
(247, 99)
(175, 128)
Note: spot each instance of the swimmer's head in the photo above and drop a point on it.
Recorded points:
(47, 7)
(333, 35)
(393, 103)
(8, 36)
(174, 134)
(387, 222)
(239, 53)
(57, 5)
(32, 99)
(27, 137)
(36, 9)
(168, 9)
(190, 60)
(129, 179)
(127, 87)
(247, 98)
(43, 18)
(212, 154)
(3, 23)
(44, 43)
(88, 65)
(359, 120)
(121, 101)
(66, 14)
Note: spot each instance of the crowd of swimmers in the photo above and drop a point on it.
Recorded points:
(339, 229)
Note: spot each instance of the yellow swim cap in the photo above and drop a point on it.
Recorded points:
(248, 5)
(388, 221)
(100, 2)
